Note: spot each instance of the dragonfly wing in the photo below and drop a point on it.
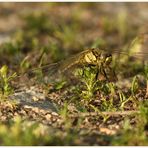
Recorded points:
(138, 48)
(48, 69)
(72, 62)
(55, 69)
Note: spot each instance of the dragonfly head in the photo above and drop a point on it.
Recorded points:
(105, 57)
(96, 56)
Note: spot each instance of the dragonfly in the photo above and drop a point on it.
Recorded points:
(93, 57)
(99, 58)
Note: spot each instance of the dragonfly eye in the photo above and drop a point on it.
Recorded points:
(104, 56)
(108, 59)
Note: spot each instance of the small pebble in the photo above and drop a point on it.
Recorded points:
(3, 118)
(54, 119)
(34, 98)
(27, 106)
(48, 117)
(54, 113)
(15, 114)
(22, 112)
(35, 109)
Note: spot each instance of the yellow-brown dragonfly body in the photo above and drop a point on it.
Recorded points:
(91, 57)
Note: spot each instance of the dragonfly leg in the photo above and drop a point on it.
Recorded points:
(101, 73)
(97, 74)
(111, 74)
(104, 73)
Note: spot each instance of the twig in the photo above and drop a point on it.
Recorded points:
(106, 113)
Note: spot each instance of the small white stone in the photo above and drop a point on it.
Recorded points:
(3, 118)
(27, 106)
(35, 109)
(54, 113)
(48, 117)
(34, 98)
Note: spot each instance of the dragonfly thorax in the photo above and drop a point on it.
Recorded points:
(90, 58)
